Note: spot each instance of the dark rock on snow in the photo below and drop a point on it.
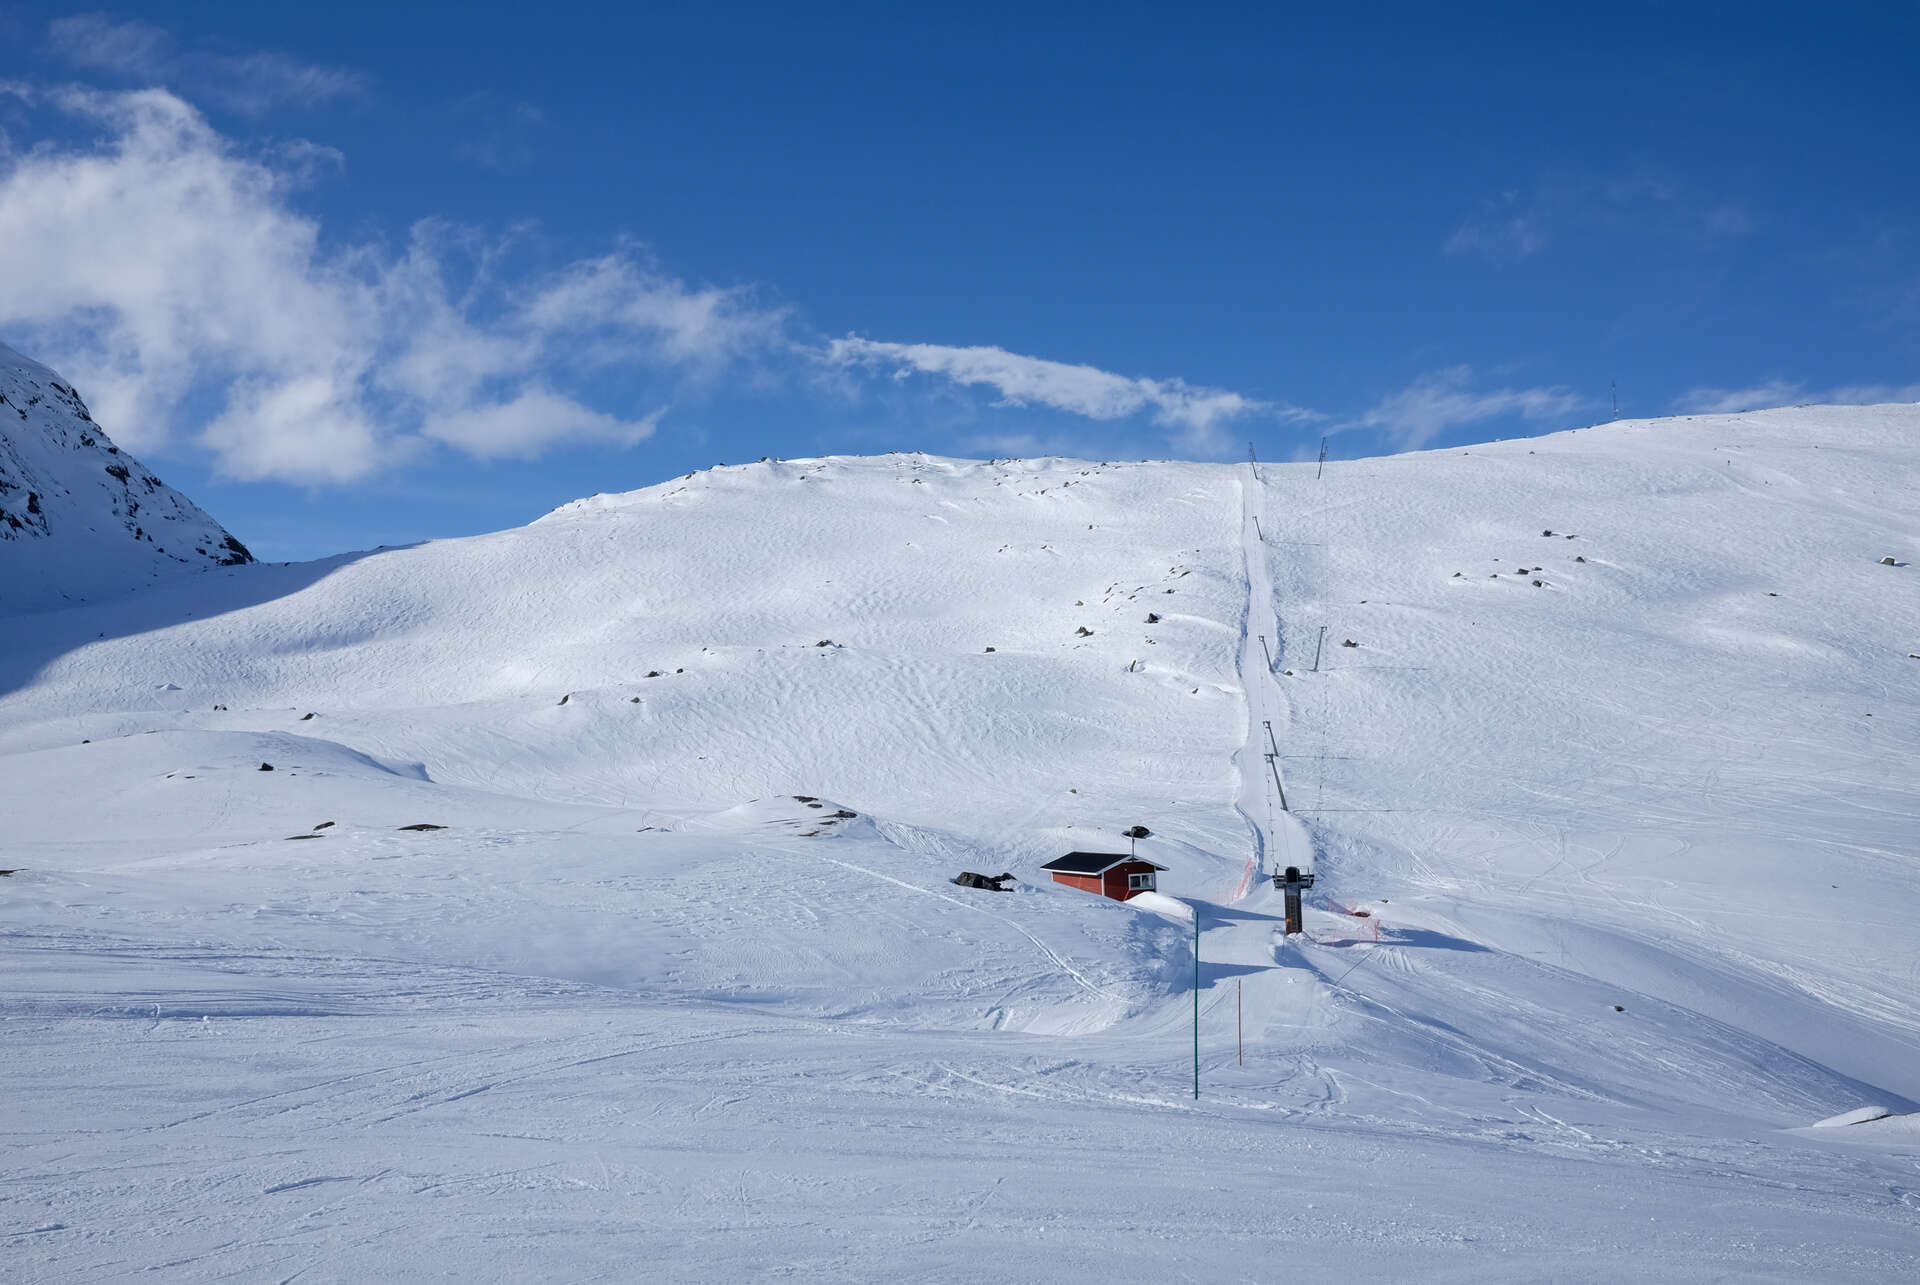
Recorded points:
(992, 883)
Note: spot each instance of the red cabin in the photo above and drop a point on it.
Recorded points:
(1109, 874)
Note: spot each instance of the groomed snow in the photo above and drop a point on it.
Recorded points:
(683, 987)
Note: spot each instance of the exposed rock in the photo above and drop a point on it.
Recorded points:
(990, 883)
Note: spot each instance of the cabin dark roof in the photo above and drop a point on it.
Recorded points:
(1093, 863)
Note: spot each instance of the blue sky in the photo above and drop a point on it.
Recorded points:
(370, 274)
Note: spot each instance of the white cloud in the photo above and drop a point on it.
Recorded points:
(167, 273)
(534, 420)
(1197, 415)
(1782, 392)
(312, 432)
(251, 83)
(614, 298)
(1442, 399)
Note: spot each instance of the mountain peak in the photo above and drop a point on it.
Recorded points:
(80, 519)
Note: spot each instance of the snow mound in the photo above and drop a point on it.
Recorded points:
(1161, 904)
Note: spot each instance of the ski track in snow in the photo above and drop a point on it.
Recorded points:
(640, 1008)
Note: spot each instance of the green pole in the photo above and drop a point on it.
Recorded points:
(1196, 1000)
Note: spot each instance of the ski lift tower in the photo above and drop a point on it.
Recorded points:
(1291, 883)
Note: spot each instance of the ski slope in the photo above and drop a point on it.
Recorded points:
(683, 987)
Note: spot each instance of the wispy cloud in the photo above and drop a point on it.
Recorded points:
(1446, 398)
(163, 269)
(1502, 230)
(1515, 225)
(503, 135)
(1783, 392)
(536, 418)
(1197, 415)
(251, 83)
(1036, 446)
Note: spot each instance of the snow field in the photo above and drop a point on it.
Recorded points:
(639, 1003)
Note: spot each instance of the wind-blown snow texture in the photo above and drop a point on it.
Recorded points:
(684, 989)
(80, 519)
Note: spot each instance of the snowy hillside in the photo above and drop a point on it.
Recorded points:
(79, 518)
(1619, 764)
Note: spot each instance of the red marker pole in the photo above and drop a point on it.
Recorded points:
(1239, 1026)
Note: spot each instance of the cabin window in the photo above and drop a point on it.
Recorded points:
(1140, 882)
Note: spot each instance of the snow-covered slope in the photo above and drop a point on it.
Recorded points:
(79, 518)
(1631, 807)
